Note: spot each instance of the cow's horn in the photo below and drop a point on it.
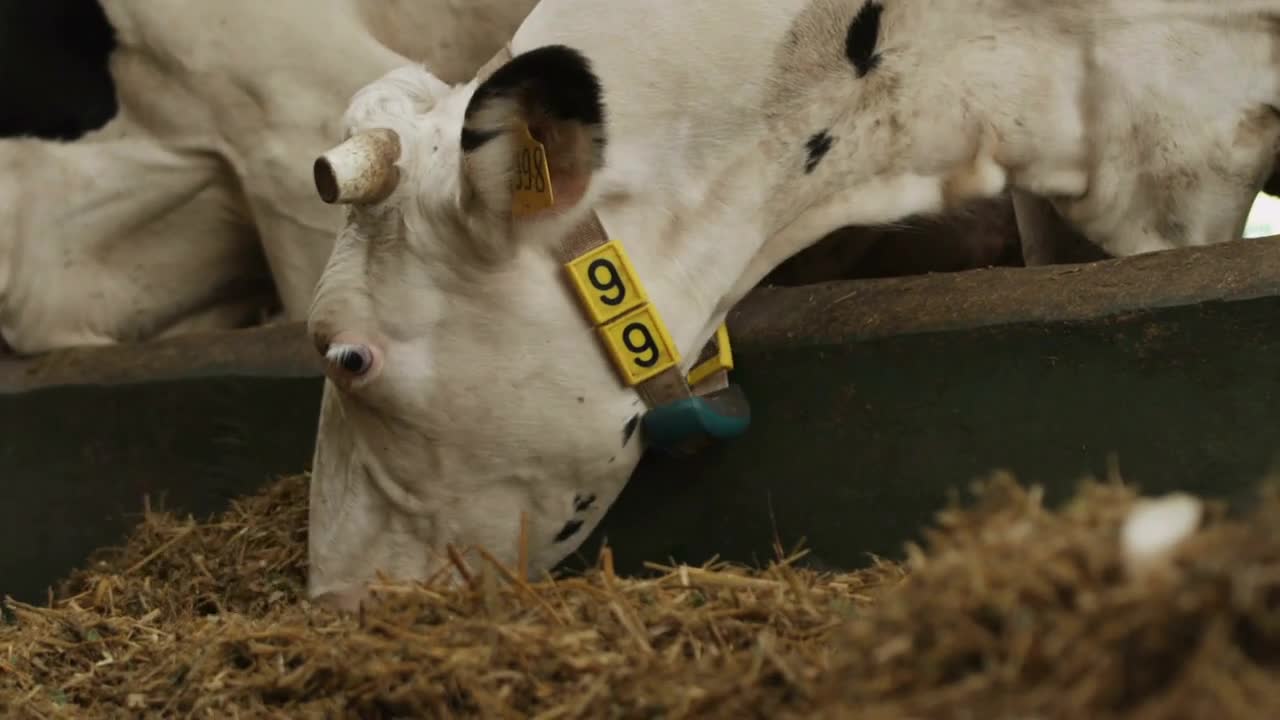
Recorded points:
(361, 170)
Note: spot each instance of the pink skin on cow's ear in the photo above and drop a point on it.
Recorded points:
(553, 92)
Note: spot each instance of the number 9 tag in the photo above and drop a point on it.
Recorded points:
(639, 345)
(606, 283)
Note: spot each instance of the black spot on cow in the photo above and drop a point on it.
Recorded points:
(554, 81)
(568, 531)
(630, 429)
(817, 146)
(860, 41)
(583, 503)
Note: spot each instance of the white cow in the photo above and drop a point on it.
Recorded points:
(467, 386)
(194, 207)
(212, 233)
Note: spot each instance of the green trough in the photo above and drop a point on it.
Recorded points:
(873, 401)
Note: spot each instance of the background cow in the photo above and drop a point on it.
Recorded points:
(184, 202)
(145, 227)
(188, 204)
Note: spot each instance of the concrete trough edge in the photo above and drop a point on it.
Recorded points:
(850, 311)
(834, 312)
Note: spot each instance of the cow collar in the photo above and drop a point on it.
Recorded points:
(685, 413)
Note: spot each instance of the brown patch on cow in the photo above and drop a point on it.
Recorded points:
(1171, 228)
(896, 126)
(1165, 203)
(1256, 125)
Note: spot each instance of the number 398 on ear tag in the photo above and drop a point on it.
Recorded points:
(531, 184)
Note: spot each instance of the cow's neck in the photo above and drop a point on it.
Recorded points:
(754, 210)
(688, 255)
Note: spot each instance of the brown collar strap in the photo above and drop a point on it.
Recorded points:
(710, 373)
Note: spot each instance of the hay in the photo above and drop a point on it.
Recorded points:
(1006, 610)
(1015, 611)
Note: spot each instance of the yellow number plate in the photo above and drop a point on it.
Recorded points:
(639, 345)
(531, 185)
(606, 282)
(721, 360)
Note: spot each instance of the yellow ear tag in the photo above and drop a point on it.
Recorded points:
(531, 186)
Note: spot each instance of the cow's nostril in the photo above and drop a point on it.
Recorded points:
(354, 362)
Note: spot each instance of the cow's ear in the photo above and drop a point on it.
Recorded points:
(544, 106)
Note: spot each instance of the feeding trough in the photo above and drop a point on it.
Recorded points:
(872, 401)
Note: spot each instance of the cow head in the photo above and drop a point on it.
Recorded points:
(466, 386)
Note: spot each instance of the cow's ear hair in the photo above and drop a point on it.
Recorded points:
(552, 92)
